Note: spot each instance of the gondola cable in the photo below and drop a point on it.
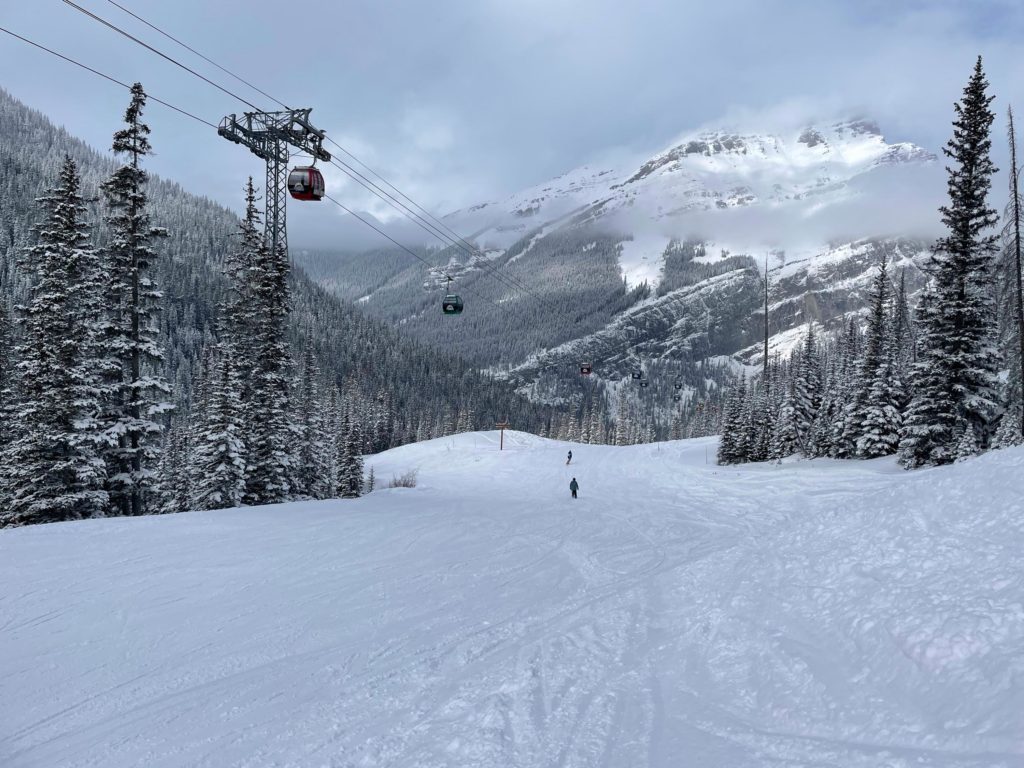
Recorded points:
(197, 53)
(158, 52)
(400, 245)
(188, 114)
(105, 76)
(453, 240)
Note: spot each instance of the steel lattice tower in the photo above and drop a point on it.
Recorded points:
(269, 135)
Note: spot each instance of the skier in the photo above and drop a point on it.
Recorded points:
(574, 486)
(569, 460)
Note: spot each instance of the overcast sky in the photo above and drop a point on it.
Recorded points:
(460, 101)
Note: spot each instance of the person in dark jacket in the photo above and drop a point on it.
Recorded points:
(574, 486)
(567, 461)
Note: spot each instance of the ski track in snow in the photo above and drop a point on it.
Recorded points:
(804, 614)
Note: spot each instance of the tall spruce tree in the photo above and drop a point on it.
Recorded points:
(241, 315)
(53, 468)
(879, 375)
(136, 393)
(807, 390)
(955, 378)
(219, 455)
(350, 461)
(270, 452)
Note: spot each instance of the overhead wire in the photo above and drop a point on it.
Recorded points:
(408, 250)
(159, 53)
(105, 76)
(473, 249)
(186, 113)
(373, 188)
(422, 211)
(189, 48)
(424, 219)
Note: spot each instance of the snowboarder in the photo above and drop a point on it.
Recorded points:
(574, 486)
(569, 460)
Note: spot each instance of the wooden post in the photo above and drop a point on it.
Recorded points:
(502, 426)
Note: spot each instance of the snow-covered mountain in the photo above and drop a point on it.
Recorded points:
(710, 171)
(814, 613)
(697, 223)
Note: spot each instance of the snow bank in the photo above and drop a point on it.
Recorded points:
(804, 614)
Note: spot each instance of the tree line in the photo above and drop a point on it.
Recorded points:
(146, 369)
(924, 383)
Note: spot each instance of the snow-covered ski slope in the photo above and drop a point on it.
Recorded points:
(677, 614)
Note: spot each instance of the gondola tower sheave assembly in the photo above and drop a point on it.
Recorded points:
(270, 136)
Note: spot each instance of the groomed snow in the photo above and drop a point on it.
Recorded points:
(678, 614)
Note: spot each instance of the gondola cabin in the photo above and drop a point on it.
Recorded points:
(679, 385)
(306, 183)
(677, 398)
(637, 375)
(645, 384)
(586, 369)
(452, 304)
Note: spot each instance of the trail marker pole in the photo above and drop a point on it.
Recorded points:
(502, 426)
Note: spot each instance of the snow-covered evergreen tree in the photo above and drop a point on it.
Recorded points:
(732, 446)
(845, 425)
(350, 461)
(966, 444)
(311, 448)
(955, 377)
(219, 455)
(270, 452)
(596, 426)
(806, 395)
(879, 375)
(785, 436)
(623, 420)
(761, 424)
(7, 401)
(135, 393)
(331, 428)
(53, 469)
(176, 471)
(902, 330)
(1009, 433)
(927, 435)
(241, 317)
(465, 421)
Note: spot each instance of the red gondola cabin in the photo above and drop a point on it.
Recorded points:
(306, 183)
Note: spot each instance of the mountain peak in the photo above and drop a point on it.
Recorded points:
(705, 170)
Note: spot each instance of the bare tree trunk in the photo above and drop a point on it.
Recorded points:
(765, 374)
(1015, 203)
